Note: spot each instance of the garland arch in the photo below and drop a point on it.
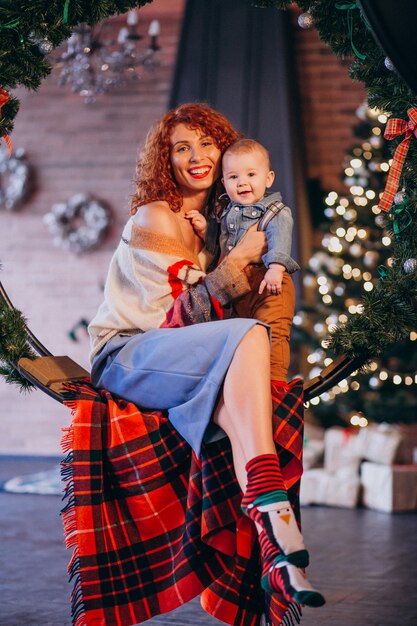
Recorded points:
(389, 312)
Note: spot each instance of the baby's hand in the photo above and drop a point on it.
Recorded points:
(273, 279)
(198, 221)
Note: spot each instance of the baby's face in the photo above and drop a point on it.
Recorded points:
(246, 176)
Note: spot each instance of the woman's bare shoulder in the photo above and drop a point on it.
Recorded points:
(158, 218)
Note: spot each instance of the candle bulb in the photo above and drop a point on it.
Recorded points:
(132, 18)
(123, 35)
(154, 28)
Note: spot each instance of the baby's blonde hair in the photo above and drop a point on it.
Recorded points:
(245, 145)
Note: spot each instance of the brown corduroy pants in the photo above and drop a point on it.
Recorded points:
(275, 310)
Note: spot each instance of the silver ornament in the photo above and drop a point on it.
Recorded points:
(361, 111)
(410, 266)
(399, 197)
(389, 64)
(380, 221)
(45, 46)
(305, 20)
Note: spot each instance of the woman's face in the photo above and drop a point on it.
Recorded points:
(195, 159)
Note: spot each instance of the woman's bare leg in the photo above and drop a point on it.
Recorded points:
(245, 414)
(245, 409)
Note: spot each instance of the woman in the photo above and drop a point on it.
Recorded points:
(159, 340)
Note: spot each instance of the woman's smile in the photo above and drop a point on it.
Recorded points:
(199, 172)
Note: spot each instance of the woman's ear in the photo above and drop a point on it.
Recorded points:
(270, 179)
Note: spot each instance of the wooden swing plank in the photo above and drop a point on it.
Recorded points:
(52, 371)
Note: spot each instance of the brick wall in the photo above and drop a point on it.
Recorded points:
(78, 148)
(75, 148)
(329, 100)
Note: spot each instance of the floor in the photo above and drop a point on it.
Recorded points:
(363, 561)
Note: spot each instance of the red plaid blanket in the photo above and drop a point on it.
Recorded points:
(152, 526)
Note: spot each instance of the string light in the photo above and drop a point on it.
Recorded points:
(359, 420)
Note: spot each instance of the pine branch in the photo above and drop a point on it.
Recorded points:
(13, 346)
(24, 22)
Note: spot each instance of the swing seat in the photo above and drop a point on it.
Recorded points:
(50, 373)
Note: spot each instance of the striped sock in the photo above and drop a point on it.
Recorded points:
(266, 503)
(264, 475)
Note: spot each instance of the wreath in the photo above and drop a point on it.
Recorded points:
(78, 225)
(15, 180)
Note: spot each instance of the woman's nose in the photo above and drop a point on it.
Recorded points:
(195, 154)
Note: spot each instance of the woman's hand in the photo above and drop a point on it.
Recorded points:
(250, 248)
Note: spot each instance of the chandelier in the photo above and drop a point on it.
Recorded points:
(96, 60)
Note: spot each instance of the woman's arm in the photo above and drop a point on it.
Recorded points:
(197, 297)
(249, 249)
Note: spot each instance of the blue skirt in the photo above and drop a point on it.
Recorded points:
(180, 370)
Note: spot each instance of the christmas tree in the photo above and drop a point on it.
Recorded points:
(352, 256)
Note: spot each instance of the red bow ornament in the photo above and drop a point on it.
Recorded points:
(395, 127)
(4, 99)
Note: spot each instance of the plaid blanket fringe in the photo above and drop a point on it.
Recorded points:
(151, 526)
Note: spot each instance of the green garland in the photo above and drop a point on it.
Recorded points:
(23, 23)
(390, 311)
(13, 346)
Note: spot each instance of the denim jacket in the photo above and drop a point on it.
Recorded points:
(236, 219)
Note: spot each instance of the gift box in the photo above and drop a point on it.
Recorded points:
(408, 449)
(341, 449)
(341, 488)
(379, 443)
(389, 488)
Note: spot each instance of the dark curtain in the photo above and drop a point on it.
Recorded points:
(239, 59)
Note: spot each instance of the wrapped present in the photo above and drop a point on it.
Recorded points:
(389, 488)
(341, 449)
(341, 488)
(379, 443)
(408, 449)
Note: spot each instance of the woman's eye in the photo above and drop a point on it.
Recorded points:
(182, 148)
(207, 143)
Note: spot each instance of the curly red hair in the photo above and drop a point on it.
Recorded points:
(154, 175)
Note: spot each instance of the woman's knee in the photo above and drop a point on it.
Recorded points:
(256, 342)
(259, 332)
